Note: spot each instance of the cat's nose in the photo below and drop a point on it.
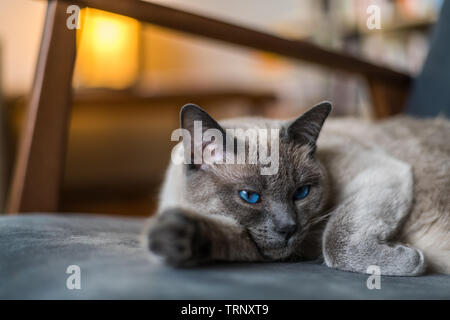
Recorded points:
(287, 230)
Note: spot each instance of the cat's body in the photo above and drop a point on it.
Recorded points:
(414, 156)
(374, 188)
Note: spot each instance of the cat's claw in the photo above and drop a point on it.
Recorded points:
(177, 238)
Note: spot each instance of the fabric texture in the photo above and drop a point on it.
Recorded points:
(36, 250)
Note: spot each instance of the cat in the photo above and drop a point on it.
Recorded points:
(362, 194)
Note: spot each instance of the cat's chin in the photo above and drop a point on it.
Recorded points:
(280, 252)
(277, 253)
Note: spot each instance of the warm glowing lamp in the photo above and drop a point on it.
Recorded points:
(108, 50)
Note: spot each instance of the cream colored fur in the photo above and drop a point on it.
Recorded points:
(414, 157)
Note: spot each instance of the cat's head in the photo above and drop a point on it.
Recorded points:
(277, 209)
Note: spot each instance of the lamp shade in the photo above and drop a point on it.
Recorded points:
(108, 50)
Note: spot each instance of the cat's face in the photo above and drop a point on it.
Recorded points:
(276, 210)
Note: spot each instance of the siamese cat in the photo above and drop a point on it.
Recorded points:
(362, 194)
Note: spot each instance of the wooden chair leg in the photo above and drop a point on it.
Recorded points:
(40, 159)
(388, 98)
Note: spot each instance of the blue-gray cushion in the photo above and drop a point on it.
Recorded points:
(35, 251)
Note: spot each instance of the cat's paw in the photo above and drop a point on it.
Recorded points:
(405, 261)
(178, 239)
(393, 260)
(399, 260)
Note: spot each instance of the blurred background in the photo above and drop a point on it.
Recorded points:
(131, 80)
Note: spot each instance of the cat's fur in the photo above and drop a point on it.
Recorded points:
(379, 196)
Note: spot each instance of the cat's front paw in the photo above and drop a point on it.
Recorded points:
(406, 261)
(177, 237)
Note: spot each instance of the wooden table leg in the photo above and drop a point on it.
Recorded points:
(40, 159)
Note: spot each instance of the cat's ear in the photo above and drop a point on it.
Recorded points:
(204, 133)
(306, 128)
(190, 113)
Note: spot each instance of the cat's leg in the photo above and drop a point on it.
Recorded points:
(361, 231)
(184, 238)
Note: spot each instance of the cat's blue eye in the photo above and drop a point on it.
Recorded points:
(249, 196)
(301, 192)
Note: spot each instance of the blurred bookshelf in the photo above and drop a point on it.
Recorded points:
(341, 25)
(401, 43)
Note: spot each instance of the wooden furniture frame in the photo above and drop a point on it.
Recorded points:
(40, 159)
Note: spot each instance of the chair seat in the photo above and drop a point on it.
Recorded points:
(35, 251)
